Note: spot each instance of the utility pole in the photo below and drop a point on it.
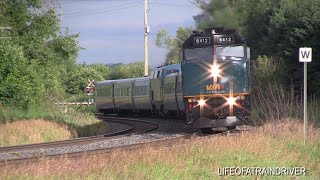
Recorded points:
(146, 32)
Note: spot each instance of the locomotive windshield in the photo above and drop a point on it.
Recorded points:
(198, 54)
(230, 52)
(233, 53)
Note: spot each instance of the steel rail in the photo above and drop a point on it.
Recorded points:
(170, 142)
(158, 143)
(84, 140)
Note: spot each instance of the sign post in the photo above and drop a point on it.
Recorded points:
(305, 56)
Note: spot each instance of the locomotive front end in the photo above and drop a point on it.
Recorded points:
(215, 77)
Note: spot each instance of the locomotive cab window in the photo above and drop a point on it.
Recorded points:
(235, 53)
(198, 54)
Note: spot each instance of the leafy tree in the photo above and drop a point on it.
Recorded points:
(222, 13)
(267, 71)
(103, 69)
(279, 28)
(273, 28)
(131, 70)
(18, 82)
(44, 55)
(173, 44)
(78, 80)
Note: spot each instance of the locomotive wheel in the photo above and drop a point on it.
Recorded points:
(231, 127)
(207, 130)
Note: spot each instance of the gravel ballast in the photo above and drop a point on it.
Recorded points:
(168, 128)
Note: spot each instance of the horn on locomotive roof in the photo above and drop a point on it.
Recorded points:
(214, 30)
(195, 32)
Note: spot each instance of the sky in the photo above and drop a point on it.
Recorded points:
(112, 31)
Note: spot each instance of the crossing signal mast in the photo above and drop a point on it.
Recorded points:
(90, 89)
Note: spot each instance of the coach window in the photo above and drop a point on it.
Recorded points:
(127, 92)
(116, 92)
(123, 92)
(108, 92)
(144, 90)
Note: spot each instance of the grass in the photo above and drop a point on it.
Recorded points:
(276, 144)
(32, 131)
(80, 121)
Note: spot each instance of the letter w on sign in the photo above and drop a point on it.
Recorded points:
(305, 54)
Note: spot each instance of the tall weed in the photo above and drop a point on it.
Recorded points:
(273, 102)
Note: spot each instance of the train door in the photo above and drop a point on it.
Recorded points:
(169, 93)
(156, 91)
(179, 95)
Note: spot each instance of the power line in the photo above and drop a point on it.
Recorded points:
(172, 4)
(65, 2)
(102, 11)
(99, 9)
(77, 1)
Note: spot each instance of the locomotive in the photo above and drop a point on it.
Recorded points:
(210, 88)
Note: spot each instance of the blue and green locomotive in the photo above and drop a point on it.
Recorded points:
(216, 81)
(210, 88)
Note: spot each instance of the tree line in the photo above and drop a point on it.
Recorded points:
(38, 62)
(274, 29)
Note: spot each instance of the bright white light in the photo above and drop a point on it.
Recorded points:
(201, 102)
(215, 71)
(231, 101)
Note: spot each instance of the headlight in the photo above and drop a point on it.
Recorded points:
(231, 100)
(215, 71)
(201, 102)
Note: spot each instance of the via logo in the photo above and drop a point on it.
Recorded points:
(212, 87)
(305, 54)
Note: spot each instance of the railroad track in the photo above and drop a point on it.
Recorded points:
(160, 143)
(136, 126)
(154, 144)
(157, 143)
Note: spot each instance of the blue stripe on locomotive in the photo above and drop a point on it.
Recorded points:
(196, 81)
